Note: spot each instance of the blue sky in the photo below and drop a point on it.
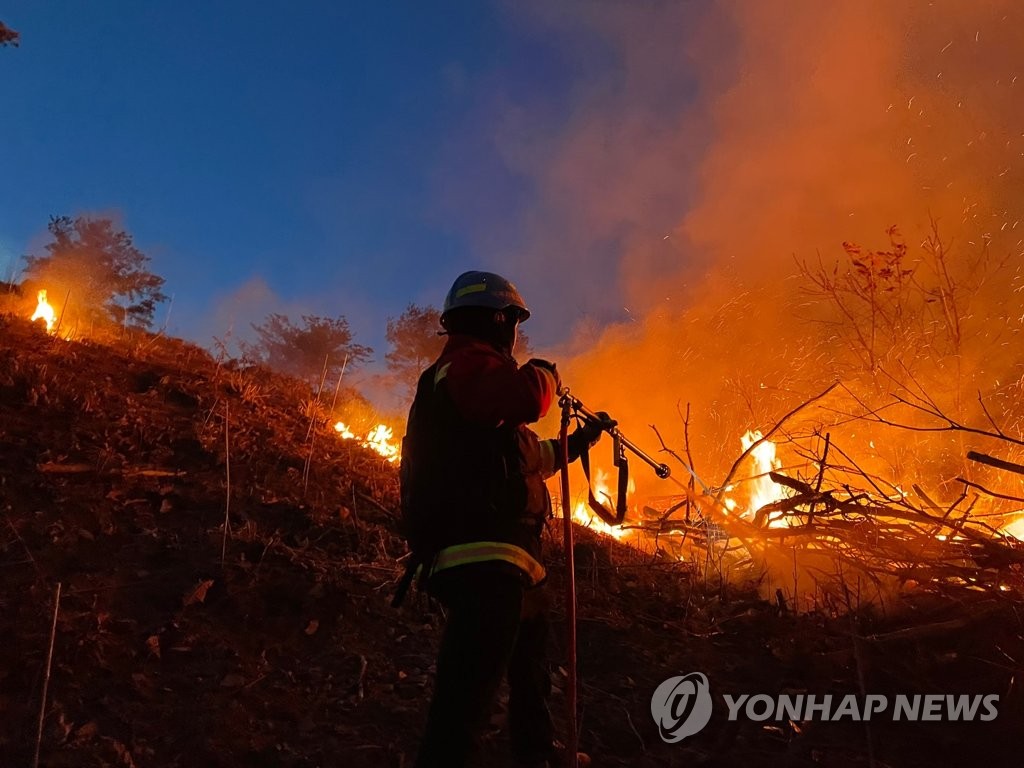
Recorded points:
(319, 157)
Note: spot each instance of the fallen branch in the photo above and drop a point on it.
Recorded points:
(921, 632)
(64, 469)
(992, 461)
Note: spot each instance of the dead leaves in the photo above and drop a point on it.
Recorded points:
(198, 595)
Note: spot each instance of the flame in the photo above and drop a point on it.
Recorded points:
(581, 512)
(44, 311)
(1015, 528)
(377, 439)
(764, 490)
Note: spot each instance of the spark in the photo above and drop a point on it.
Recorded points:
(946, 46)
(911, 156)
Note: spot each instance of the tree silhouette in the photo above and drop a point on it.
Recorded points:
(100, 270)
(414, 343)
(8, 36)
(302, 350)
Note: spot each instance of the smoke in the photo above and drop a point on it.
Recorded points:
(721, 161)
(728, 142)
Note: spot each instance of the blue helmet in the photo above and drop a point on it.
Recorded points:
(484, 289)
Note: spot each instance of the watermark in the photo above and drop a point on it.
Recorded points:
(682, 705)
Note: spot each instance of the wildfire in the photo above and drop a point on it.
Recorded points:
(377, 439)
(44, 311)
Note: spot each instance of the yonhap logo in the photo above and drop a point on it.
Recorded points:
(681, 706)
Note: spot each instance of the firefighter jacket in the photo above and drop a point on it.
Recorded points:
(472, 472)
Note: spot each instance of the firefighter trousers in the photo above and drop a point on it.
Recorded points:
(495, 625)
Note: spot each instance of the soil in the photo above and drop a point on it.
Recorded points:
(277, 646)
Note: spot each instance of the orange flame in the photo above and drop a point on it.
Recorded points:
(581, 512)
(45, 312)
(764, 490)
(377, 439)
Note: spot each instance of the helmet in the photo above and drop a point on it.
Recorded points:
(484, 289)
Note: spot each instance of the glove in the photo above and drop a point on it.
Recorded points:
(588, 434)
(548, 366)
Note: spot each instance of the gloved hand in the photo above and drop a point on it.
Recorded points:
(588, 434)
(547, 365)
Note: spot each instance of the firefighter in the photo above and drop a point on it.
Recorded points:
(474, 505)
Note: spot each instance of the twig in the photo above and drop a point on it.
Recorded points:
(951, 425)
(643, 744)
(374, 502)
(167, 319)
(61, 318)
(925, 630)
(227, 474)
(23, 544)
(46, 677)
(337, 388)
(988, 492)
(311, 432)
(821, 475)
(689, 456)
(361, 683)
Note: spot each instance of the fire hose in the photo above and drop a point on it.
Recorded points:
(572, 406)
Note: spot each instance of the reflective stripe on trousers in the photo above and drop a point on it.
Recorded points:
(482, 551)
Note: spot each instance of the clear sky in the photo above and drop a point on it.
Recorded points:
(308, 157)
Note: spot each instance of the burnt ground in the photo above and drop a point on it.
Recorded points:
(113, 483)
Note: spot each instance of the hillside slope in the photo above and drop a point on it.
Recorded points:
(114, 466)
